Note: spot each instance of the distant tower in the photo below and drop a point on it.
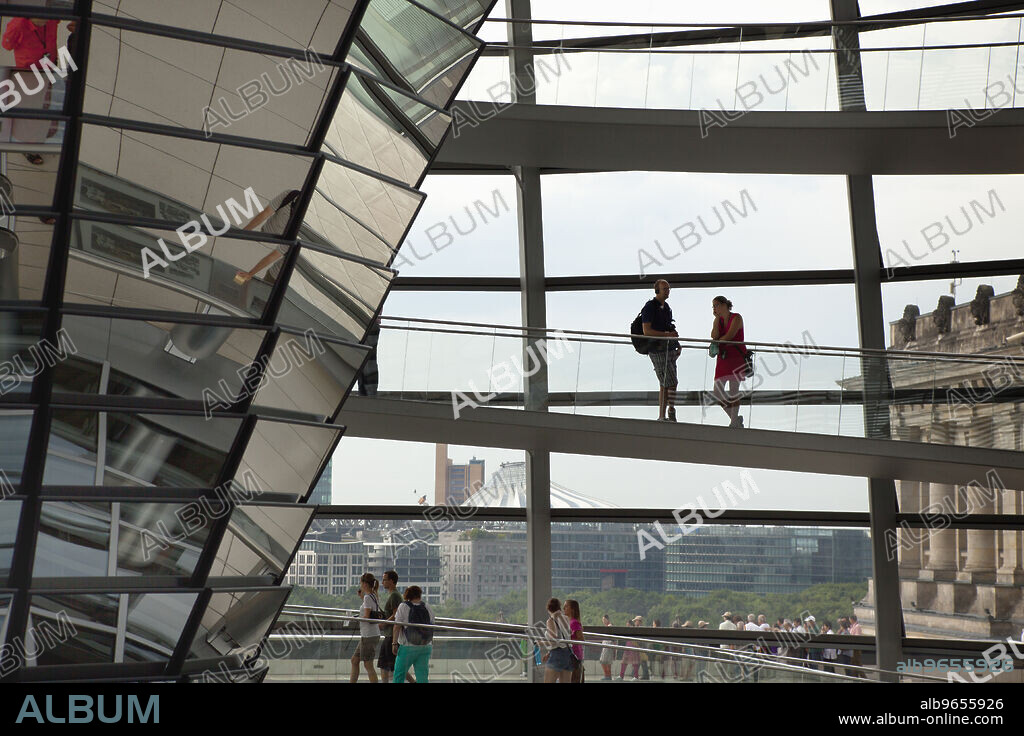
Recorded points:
(454, 483)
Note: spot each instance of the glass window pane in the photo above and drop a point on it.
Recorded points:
(73, 541)
(25, 243)
(234, 621)
(650, 223)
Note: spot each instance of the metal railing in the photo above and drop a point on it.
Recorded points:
(737, 664)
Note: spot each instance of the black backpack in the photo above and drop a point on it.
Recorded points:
(640, 343)
(415, 635)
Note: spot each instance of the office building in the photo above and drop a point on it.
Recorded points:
(454, 482)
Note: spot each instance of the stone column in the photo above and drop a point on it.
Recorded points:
(942, 542)
(981, 543)
(910, 540)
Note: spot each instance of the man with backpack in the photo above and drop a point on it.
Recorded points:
(412, 643)
(655, 320)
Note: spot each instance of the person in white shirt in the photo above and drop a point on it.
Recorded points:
(751, 624)
(369, 632)
(413, 644)
(829, 656)
(762, 623)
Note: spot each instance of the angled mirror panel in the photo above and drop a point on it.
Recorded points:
(467, 14)
(22, 355)
(14, 429)
(165, 450)
(260, 540)
(234, 621)
(73, 540)
(197, 86)
(308, 375)
(155, 538)
(414, 49)
(10, 513)
(361, 214)
(154, 624)
(109, 263)
(24, 240)
(72, 629)
(333, 296)
(315, 24)
(163, 359)
(126, 172)
(384, 130)
(285, 458)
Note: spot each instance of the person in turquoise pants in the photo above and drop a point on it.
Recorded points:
(412, 643)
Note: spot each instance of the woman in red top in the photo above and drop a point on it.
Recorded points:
(32, 39)
(730, 368)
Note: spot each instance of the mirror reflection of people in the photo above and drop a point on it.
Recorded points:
(273, 219)
(31, 40)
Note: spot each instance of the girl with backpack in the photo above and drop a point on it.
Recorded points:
(412, 643)
(369, 632)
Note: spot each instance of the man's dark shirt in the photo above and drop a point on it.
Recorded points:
(659, 315)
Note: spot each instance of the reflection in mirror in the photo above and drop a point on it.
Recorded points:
(285, 458)
(154, 624)
(73, 541)
(236, 620)
(92, 618)
(137, 449)
(154, 540)
(260, 540)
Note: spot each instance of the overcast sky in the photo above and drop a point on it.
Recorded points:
(607, 223)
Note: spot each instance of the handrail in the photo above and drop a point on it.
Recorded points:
(597, 634)
(702, 343)
(549, 46)
(728, 653)
(869, 21)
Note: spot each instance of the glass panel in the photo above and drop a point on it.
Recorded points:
(419, 51)
(200, 87)
(73, 541)
(937, 219)
(22, 356)
(31, 135)
(579, 481)
(427, 475)
(466, 14)
(723, 225)
(285, 458)
(360, 214)
(162, 359)
(309, 375)
(260, 540)
(154, 625)
(10, 513)
(234, 621)
(333, 295)
(315, 24)
(153, 540)
(141, 450)
(73, 629)
(476, 215)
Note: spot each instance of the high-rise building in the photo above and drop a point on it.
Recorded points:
(321, 494)
(765, 559)
(453, 482)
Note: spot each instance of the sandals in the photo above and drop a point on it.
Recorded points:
(34, 158)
